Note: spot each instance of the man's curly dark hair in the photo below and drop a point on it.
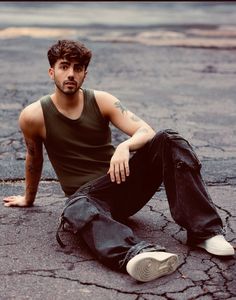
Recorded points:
(69, 50)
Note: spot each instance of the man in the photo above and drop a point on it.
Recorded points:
(105, 186)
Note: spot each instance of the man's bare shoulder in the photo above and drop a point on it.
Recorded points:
(102, 95)
(31, 117)
(105, 101)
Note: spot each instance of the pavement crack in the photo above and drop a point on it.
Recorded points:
(218, 283)
(8, 244)
(52, 274)
(227, 218)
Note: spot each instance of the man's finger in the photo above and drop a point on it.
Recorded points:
(122, 172)
(127, 168)
(7, 198)
(117, 173)
(9, 203)
(111, 173)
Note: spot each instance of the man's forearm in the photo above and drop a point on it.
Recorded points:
(119, 164)
(140, 138)
(33, 170)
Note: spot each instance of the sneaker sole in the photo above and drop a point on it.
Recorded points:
(219, 252)
(148, 266)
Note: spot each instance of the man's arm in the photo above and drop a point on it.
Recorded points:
(138, 130)
(33, 162)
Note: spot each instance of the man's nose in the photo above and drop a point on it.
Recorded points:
(71, 73)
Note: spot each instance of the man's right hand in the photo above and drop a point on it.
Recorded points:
(16, 201)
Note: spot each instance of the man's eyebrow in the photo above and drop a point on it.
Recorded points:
(68, 63)
(64, 63)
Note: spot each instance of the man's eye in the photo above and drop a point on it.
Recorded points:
(78, 69)
(64, 67)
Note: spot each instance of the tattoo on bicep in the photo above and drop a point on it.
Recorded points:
(120, 106)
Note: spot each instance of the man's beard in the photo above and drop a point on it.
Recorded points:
(65, 90)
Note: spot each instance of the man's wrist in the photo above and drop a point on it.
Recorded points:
(29, 198)
(124, 144)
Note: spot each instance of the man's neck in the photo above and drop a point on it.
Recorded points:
(67, 102)
(70, 106)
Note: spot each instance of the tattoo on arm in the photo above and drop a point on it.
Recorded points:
(30, 147)
(31, 168)
(33, 173)
(123, 109)
(135, 118)
(141, 131)
(31, 191)
(120, 106)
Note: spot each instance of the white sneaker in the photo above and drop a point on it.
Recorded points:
(148, 266)
(217, 245)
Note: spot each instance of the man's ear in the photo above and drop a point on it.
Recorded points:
(51, 73)
(85, 74)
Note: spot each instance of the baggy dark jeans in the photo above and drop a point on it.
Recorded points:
(97, 209)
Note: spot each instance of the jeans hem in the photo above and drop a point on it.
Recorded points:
(139, 248)
(194, 240)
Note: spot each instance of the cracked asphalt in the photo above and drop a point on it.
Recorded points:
(191, 90)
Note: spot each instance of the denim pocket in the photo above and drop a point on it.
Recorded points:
(78, 213)
(183, 154)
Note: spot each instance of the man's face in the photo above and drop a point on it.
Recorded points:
(68, 76)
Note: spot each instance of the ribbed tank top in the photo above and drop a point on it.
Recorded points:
(79, 150)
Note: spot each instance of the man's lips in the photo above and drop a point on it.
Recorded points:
(70, 83)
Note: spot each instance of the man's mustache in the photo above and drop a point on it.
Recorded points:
(70, 81)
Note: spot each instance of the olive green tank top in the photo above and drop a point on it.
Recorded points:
(79, 150)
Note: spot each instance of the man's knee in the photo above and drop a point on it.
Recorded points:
(169, 133)
(166, 133)
(181, 151)
(183, 154)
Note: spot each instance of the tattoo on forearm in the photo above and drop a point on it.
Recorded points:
(120, 106)
(30, 148)
(31, 191)
(31, 169)
(141, 130)
(135, 118)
